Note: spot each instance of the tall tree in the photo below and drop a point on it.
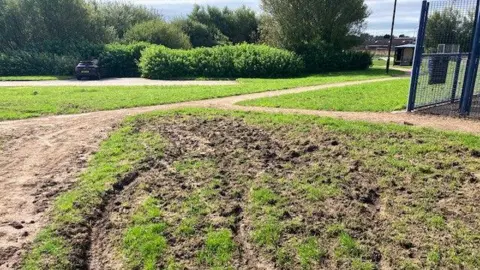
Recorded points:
(201, 35)
(244, 25)
(303, 22)
(239, 25)
(50, 25)
(159, 32)
(121, 16)
(269, 31)
(11, 25)
(449, 27)
(62, 20)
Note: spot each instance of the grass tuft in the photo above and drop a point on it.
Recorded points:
(347, 247)
(218, 249)
(143, 242)
(267, 232)
(310, 253)
(50, 252)
(264, 197)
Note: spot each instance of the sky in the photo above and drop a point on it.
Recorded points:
(379, 22)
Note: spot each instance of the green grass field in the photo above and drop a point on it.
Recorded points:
(374, 97)
(382, 64)
(207, 187)
(379, 63)
(25, 102)
(33, 78)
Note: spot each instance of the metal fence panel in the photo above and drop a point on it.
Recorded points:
(438, 85)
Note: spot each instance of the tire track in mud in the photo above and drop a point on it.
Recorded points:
(230, 156)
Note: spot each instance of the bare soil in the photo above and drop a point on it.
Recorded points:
(42, 157)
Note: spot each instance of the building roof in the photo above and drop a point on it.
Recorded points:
(406, 46)
(383, 43)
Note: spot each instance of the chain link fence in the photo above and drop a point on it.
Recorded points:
(442, 66)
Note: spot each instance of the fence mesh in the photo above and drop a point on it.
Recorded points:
(447, 46)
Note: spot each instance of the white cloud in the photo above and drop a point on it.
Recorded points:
(408, 15)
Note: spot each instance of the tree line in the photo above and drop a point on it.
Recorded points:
(51, 24)
(46, 24)
(58, 33)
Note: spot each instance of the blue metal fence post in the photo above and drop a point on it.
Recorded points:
(455, 78)
(417, 59)
(472, 68)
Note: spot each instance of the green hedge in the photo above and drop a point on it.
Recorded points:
(116, 60)
(23, 63)
(119, 60)
(159, 62)
(47, 58)
(324, 58)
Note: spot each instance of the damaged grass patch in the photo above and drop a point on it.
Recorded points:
(235, 190)
(117, 160)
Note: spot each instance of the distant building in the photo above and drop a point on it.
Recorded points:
(380, 46)
(404, 55)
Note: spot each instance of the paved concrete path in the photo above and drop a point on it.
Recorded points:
(113, 82)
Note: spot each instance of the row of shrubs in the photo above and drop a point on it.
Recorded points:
(320, 58)
(159, 62)
(116, 60)
(17, 63)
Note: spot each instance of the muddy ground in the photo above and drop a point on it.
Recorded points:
(294, 197)
(36, 164)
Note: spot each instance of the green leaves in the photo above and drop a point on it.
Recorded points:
(254, 61)
(119, 60)
(159, 32)
(304, 21)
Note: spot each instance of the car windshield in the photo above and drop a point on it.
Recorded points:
(86, 62)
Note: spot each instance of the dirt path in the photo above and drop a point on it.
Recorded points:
(41, 157)
(113, 82)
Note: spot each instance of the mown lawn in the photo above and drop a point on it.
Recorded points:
(379, 63)
(202, 189)
(25, 102)
(33, 78)
(373, 97)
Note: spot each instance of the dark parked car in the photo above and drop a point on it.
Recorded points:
(87, 69)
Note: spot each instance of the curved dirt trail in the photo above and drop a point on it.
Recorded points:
(41, 157)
